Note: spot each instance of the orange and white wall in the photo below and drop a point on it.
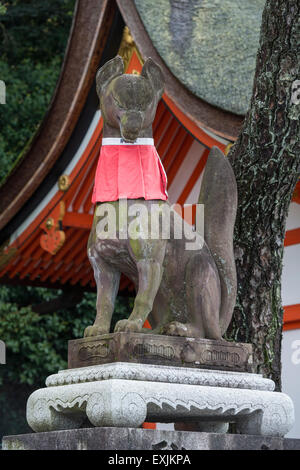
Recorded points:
(291, 300)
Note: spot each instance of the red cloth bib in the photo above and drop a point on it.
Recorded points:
(129, 171)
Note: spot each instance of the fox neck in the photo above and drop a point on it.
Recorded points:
(109, 131)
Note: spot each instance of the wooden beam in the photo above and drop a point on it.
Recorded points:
(292, 237)
(291, 317)
(73, 219)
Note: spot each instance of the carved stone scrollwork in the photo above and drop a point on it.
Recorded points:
(274, 418)
(127, 402)
(42, 417)
(147, 372)
(128, 410)
(134, 409)
(95, 409)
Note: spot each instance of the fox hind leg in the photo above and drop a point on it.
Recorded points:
(203, 296)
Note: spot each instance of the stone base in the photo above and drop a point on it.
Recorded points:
(126, 395)
(143, 439)
(175, 351)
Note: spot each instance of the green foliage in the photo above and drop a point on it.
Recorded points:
(33, 37)
(2, 9)
(35, 29)
(13, 409)
(28, 93)
(37, 343)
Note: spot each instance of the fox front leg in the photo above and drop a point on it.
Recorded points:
(107, 280)
(150, 270)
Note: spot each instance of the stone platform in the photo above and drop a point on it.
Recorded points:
(144, 439)
(161, 350)
(125, 395)
(121, 380)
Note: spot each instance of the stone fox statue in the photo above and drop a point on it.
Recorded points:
(182, 292)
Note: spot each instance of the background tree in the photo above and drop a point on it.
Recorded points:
(266, 162)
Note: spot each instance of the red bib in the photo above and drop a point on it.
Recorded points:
(129, 171)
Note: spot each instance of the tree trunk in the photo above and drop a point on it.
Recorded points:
(266, 162)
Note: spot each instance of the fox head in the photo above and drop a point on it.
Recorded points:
(128, 102)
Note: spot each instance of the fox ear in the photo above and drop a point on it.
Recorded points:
(153, 73)
(113, 68)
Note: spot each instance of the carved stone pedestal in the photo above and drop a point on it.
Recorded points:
(126, 394)
(144, 348)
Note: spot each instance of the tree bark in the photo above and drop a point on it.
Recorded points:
(266, 162)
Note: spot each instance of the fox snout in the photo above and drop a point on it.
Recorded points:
(130, 125)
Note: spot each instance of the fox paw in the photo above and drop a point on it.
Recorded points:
(175, 328)
(94, 330)
(133, 326)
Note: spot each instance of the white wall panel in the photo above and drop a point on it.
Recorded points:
(291, 275)
(290, 359)
(185, 171)
(293, 220)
